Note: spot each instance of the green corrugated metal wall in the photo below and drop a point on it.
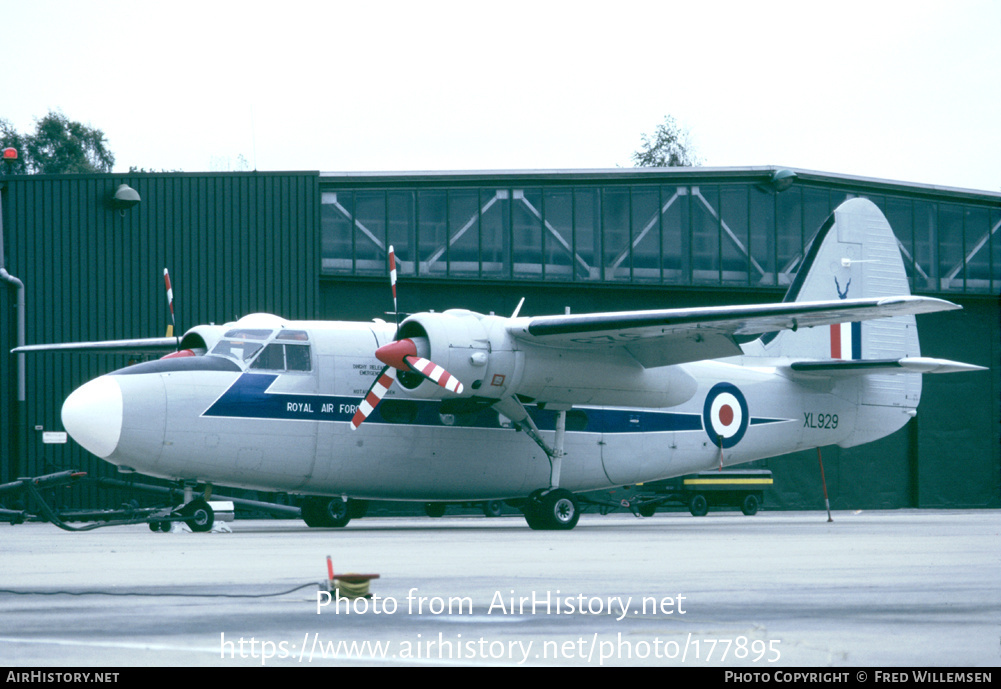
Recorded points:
(234, 244)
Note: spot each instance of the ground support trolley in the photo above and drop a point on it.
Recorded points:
(728, 489)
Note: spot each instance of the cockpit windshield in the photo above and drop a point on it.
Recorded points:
(240, 344)
(288, 352)
(241, 350)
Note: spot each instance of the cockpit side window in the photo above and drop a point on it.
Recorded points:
(283, 357)
(271, 359)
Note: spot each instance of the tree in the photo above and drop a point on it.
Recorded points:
(58, 146)
(670, 146)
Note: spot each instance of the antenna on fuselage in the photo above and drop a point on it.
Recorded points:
(517, 309)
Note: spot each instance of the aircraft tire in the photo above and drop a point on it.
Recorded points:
(556, 510)
(493, 508)
(647, 510)
(698, 506)
(750, 505)
(320, 512)
(199, 515)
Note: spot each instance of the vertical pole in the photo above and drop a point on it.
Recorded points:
(19, 452)
(824, 481)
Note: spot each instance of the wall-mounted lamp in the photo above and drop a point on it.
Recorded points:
(9, 158)
(782, 180)
(124, 198)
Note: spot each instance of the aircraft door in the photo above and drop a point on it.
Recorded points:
(284, 381)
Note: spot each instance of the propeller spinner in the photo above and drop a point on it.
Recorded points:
(400, 355)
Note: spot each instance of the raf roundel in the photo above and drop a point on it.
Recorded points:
(725, 415)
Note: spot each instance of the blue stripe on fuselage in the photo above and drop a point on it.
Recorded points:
(249, 398)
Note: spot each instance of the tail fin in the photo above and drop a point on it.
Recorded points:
(853, 255)
(875, 364)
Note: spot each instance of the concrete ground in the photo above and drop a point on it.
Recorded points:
(878, 589)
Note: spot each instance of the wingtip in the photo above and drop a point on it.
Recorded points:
(926, 304)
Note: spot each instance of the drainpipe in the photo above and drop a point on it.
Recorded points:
(19, 286)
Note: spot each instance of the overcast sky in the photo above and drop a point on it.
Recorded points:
(908, 91)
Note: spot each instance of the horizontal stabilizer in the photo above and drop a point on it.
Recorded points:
(914, 364)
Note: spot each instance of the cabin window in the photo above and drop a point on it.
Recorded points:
(297, 358)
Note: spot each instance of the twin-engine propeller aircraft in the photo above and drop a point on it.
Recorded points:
(429, 409)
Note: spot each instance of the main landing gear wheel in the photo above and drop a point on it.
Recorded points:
(555, 510)
(199, 515)
(326, 512)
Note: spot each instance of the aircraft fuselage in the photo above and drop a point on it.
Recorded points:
(284, 424)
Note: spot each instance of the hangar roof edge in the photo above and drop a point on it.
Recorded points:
(623, 174)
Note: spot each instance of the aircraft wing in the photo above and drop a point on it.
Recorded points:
(146, 345)
(675, 336)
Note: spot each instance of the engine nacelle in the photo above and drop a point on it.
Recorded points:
(474, 348)
(202, 338)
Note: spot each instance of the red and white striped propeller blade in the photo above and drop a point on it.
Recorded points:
(392, 283)
(434, 373)
(387, 375)
(402, 355)
(374, 395)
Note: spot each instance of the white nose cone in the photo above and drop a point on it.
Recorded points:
(92, 415)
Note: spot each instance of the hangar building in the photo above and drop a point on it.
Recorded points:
(313, 245)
